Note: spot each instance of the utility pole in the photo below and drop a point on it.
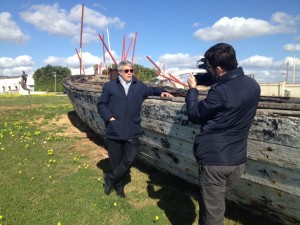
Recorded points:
(287, 72)
(54, 73)
(294, 71)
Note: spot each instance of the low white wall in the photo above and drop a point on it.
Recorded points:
(11, 85)
(280, 90)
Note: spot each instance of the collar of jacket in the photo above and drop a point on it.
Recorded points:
(231, 74)
(134, 80)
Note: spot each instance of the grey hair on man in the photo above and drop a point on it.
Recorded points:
(124, 63)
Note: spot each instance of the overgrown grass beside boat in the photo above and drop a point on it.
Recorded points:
(49, 177)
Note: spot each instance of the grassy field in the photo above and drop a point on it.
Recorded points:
(51, 172)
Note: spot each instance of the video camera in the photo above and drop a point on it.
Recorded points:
(205, 78)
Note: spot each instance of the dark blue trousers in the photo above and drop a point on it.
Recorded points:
(122, 154)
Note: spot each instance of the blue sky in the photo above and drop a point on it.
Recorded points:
(265, 34)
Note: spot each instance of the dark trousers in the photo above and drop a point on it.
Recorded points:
(122, 154)
(215, 182)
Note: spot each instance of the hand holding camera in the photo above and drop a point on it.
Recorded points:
(205, 78)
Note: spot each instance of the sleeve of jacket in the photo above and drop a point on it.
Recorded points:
(152, 91)
(192, 101)
(200, 111)
(102, 105)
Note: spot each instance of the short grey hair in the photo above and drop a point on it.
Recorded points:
(124, 63)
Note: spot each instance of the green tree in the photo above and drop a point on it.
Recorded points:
(144, 73)
(44, 78)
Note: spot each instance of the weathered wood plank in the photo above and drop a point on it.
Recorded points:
(271, 183)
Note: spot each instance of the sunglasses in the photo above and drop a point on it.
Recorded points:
(126, 71)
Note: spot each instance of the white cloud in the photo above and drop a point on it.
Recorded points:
(196, 24)
(285, 21)
(94, 18)
(72, 61)
(57, 21)
(88, 61)
(240, 28)
(10, 31)
(51, 19)
(15, 66)
(20, 61)
(292, 47)
(265, 69)
(179, 60)
(131, 35)
(257, 62)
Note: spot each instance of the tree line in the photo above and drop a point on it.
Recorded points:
(46, 78)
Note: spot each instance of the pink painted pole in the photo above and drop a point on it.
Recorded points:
(128, 49)
(80, 60)
(103, 49)
(123, 47)
(99, 68)
(107, 49)
(159, 74)
(173, 78)
(135, 37)
(178, 81)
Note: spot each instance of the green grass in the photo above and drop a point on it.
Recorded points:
(49, 179)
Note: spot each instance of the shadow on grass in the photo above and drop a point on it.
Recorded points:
(81, 126)
(175, 198)
(175, 195)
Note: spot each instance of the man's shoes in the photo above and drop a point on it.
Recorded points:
(108, 186)
(120, 192)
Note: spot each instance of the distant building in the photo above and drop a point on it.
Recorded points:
(11, 85)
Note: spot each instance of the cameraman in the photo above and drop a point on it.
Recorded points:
(225, 116)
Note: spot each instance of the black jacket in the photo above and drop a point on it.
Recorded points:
(113, 102)
(225, 116)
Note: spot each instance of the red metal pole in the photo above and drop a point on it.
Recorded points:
(153, 63)
(135, 37)
(77, 53)
(175, 80)
(128, 49)
(107, 49)
(123, 47)
(99, 68)
(178, 81)
(80, 59)
(103, 50)
(159, 74)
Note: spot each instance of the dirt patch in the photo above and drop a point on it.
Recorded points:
(89, 140)
(21, 107)
(70, 129)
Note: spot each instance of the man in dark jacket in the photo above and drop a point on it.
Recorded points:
(225, 116)
(119, 106)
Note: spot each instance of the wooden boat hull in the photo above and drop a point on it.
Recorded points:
(270, 185)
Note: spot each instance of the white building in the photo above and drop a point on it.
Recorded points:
(12, 85)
